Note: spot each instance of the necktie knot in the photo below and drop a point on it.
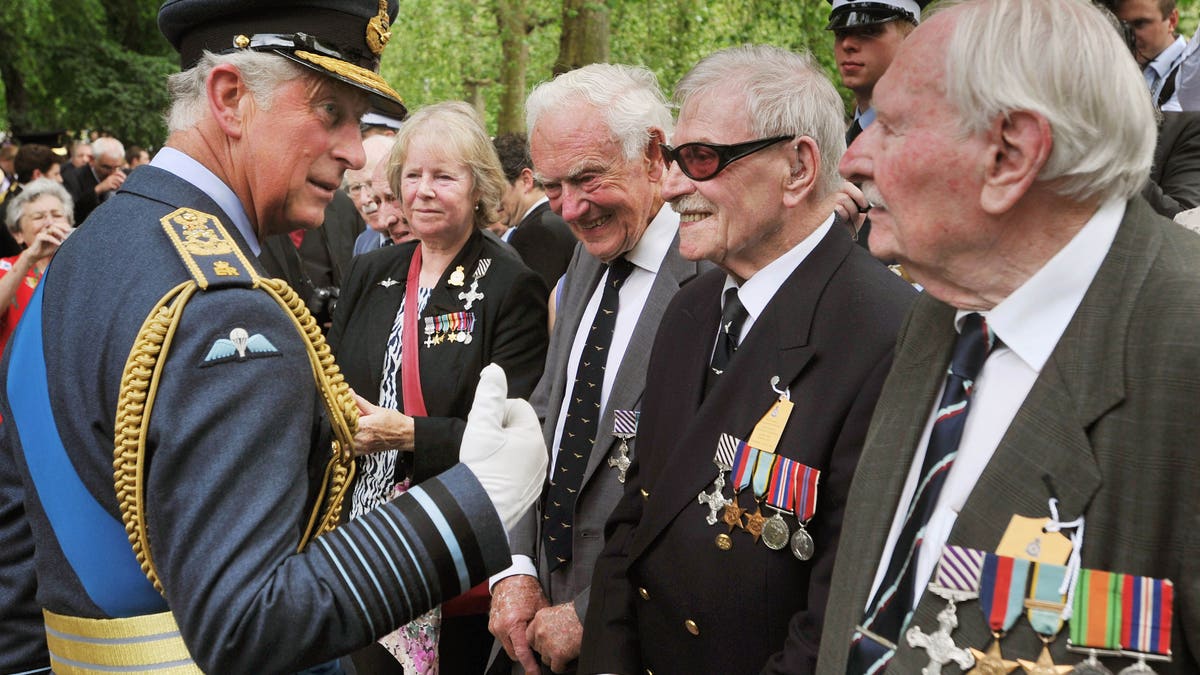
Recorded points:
(618, 271)
(971, 349)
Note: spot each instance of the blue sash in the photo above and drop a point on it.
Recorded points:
(94, 543)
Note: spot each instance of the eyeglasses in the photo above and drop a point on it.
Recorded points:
(703, 161)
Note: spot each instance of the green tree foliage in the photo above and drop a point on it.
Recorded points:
(85, 64)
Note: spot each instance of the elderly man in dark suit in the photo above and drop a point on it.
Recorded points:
(93, 183)
(594, 137)
(1047, 372)
(677, 589)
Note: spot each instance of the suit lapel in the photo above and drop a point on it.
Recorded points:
(777, 346)
(624, 396)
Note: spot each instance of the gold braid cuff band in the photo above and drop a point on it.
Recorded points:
(197, 237)
(146, 644)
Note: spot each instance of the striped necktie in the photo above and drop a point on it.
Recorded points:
(889, 611)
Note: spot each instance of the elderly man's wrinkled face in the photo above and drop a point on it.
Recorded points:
(923, 175)
(606, 199)
(106, 165)
(82, 155)
(298, 150)
(389, 216)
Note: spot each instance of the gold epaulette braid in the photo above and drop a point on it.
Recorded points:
(139, 386)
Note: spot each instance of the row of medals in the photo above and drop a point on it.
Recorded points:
(774, 531)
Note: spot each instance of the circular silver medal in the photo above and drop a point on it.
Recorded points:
(1091, 668)
(802, 544)
(467, 339)
(1139, 668)
(775, 533)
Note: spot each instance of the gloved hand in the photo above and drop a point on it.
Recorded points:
(503, 446)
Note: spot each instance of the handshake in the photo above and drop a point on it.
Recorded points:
(503, 446)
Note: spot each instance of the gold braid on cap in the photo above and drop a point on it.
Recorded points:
(139, 386)
(356, 74)
(378, 29)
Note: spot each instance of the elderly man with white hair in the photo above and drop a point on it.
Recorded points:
(370, 203)
(1035, 439)
(93, 183)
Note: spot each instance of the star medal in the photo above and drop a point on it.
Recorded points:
(755, 523)
(1044, 608)
(716, 500)
(625, 424)
(1001, 588)
(744, 459)
(764, 468)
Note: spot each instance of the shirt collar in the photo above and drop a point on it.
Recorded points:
(1031, 320)
(184, 166)
(866, 117)
(650, 250)
(533, 206)
(1167, 58)
(758, 290)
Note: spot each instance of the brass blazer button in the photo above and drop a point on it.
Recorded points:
(644, 593)
(691, 627)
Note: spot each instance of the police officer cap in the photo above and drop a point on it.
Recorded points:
(851, 13)
(343, 39)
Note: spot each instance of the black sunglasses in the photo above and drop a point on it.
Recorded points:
(703, 161)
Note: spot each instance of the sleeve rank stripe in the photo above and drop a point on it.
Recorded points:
(449, 536)
(436, 557)
(398, 579)
(461, 523)
(368, 570)
(349, 583)
(387, 515)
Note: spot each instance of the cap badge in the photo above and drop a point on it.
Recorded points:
(378, 29)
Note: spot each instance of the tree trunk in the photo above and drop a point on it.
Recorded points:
(584, 35)
(512, 17)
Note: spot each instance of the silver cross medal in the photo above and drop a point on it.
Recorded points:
(625, 428)
(956, 580)
(473, 293)
(715, 500)
(939, 644)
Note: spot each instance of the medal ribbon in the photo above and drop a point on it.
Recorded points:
(1045, 604)
(1146, 615)
(1002, 590)
(1096, 619)
(780, 493)
(625, 422)
(726, 449)
(743, 465)
(805, 487)
(763, 468)
(959, 569)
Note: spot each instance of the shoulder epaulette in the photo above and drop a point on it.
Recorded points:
(211, 256)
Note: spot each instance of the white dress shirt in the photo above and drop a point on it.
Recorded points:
(1029, 322)
(647, 255)
(1158, 71)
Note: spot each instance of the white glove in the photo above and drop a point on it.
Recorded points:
(503, 446)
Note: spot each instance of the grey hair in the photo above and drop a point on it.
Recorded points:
(1062, 60)
(108, 147)
(32, 190)
(785, 93)
(262, 73)
(460, 134)
(629, 96)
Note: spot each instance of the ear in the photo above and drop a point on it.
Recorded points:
(227, 98)
(1018, 147)
(805, 159)
(1173, 17)
(526, 180)
(655, 166)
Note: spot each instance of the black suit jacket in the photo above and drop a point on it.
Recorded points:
(81, 183)
(544, 241)
(828, 335)
(1174, 183)
(510, 330)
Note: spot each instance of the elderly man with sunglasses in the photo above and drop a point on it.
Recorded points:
(760, 386)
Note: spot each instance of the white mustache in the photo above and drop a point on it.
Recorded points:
(873, 196)
(370, 208)
(692, 202)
